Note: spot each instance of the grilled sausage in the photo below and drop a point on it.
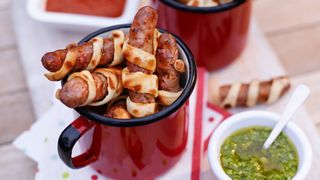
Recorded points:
(87, 56)
(75, 92)
(141, 36)
(94, 89)
(248, 94)
(53, 61)
(167, 54)
(169, 69)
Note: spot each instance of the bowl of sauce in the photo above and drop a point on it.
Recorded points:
(235, 149)
(103, 8)
(82, 15)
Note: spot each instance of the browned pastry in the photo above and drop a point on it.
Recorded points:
(248, 94)
(118, 112)
(94, 89)
(87, 56)
(117, 109)
(168, 69)
(139, 50)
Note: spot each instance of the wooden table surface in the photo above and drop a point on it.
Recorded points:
(292, 27)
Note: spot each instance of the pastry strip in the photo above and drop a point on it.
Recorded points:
(67, 65)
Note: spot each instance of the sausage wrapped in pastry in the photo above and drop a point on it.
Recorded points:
(168, 70)
(94, 89)
(87, 56)
(139, 51)
(246, 95)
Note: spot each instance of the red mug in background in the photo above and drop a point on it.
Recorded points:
(139, 148)
(216, 35)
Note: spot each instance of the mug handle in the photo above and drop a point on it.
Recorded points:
(68, 139)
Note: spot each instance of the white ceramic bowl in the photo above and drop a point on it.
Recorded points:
(78, 22)
(258, 118)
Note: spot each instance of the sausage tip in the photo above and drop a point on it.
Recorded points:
(51, 62)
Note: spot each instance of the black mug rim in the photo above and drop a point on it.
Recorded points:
(188, 89)
(193, 9)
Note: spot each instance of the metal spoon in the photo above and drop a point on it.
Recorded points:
(299, 95)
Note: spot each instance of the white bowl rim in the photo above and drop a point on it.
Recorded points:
(215, 138)
(42, 15)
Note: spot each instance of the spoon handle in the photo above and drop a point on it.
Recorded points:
(296, 100)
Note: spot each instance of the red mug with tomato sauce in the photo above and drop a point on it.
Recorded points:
(216, 35)
(138, 148)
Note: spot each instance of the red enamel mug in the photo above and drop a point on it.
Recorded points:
(216, 35)
(139, 148)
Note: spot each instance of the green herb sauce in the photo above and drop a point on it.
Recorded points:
(242, 156)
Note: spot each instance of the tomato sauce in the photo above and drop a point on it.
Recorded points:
(105, 8)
